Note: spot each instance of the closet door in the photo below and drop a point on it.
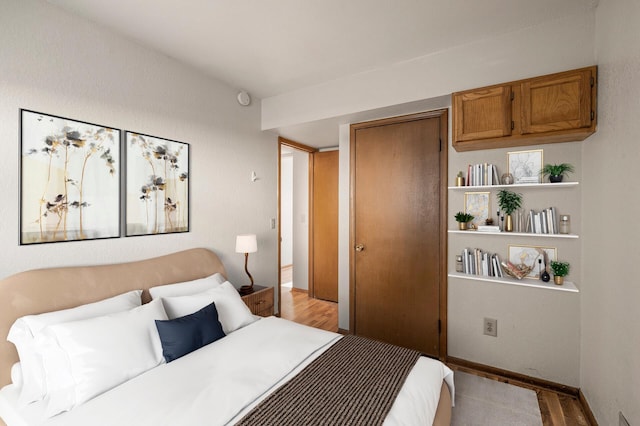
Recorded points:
(396, 224)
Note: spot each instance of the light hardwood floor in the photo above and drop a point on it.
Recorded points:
(556, 408)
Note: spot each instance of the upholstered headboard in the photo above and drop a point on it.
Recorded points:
(45, 290)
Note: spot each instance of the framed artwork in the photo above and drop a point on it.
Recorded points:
(157, 188)
(478, 204)
(529, 255)
(69, 179)
(525, 166)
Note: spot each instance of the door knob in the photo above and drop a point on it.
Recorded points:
(359, 247)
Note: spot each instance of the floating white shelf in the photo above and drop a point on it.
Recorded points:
(514, 234)
(516, 185)
(567, 286)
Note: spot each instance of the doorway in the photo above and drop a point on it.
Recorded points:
(307, 253)
(398, 231)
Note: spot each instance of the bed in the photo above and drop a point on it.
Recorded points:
(224, 382)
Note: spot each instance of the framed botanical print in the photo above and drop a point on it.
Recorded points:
(478, 204)
(157, 185)
(530, 255)
(525, 166)
(69, 179)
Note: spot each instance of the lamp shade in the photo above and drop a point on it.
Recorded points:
(246, 243)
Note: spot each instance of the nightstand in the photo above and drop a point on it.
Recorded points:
(260, 302)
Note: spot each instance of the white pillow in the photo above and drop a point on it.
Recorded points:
(188, 287)
(16, 375)
(24, 330)
(232, 311)
(86, 358)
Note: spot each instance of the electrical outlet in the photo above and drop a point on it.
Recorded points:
(623, 420)
(491, 327)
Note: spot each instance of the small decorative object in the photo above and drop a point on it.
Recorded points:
(488, 221)
(463, 219)
(518, 271)
(560, 270)
(565, 224)
(525, 165)
(460, 179)
(556, 172)
(459, 267)
(509, 202)
(246, 243)
(544, 275)
(507, 178)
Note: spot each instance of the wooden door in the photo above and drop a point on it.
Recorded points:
(398, 232)
(482, 113)
(557, 102)
(324, 232)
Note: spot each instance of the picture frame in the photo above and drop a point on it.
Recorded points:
(157, 185)
(525, 166)
(529, 255)
(69, 179)
(478, 204)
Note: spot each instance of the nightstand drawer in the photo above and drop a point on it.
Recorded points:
(260, 302)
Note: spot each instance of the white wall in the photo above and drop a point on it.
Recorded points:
(300, 220)
(56, 63)
(610, 368)
(286, 210)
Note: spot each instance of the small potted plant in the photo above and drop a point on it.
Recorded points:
(509, 202)
(463, 219)
(556, 172)
(460, 179)
(560, 270)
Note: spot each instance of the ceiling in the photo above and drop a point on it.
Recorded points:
(270, 47)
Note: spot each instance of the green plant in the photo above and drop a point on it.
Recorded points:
(460, 174)
(463, 217)
(560, 269)
(509, 201)
(556, 169)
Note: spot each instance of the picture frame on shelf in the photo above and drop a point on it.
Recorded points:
(70, 179)
(478, 204)
(525, 166)
(529, 255)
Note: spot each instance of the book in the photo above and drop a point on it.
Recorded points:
(488, 228)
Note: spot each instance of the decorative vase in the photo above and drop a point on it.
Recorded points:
(508, 223)
(555, 178)
(558, 279)
(459, 181)
(507, 179)
(462, 226)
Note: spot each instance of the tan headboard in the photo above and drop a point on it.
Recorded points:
(46, 290)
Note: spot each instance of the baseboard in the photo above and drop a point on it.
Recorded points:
(299, 290)
(587, 409)
(343, 331)
(516, 377)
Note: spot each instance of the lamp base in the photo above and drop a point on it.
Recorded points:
(246, 289)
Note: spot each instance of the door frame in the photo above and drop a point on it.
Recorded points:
(442, 115)
(310, 150)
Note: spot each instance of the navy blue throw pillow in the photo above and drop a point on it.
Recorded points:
(183, 335)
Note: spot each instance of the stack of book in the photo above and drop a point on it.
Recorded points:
(479, 262)
(543, 222)
(482, 175)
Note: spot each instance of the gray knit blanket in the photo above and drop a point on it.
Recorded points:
(354, 382)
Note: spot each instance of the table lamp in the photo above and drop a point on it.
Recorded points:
(246, 243)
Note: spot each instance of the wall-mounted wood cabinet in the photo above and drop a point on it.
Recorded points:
(553, 108)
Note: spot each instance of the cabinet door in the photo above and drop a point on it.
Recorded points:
(557, 102)
(482, 113)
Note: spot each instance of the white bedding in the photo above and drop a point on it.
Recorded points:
(221, 382)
